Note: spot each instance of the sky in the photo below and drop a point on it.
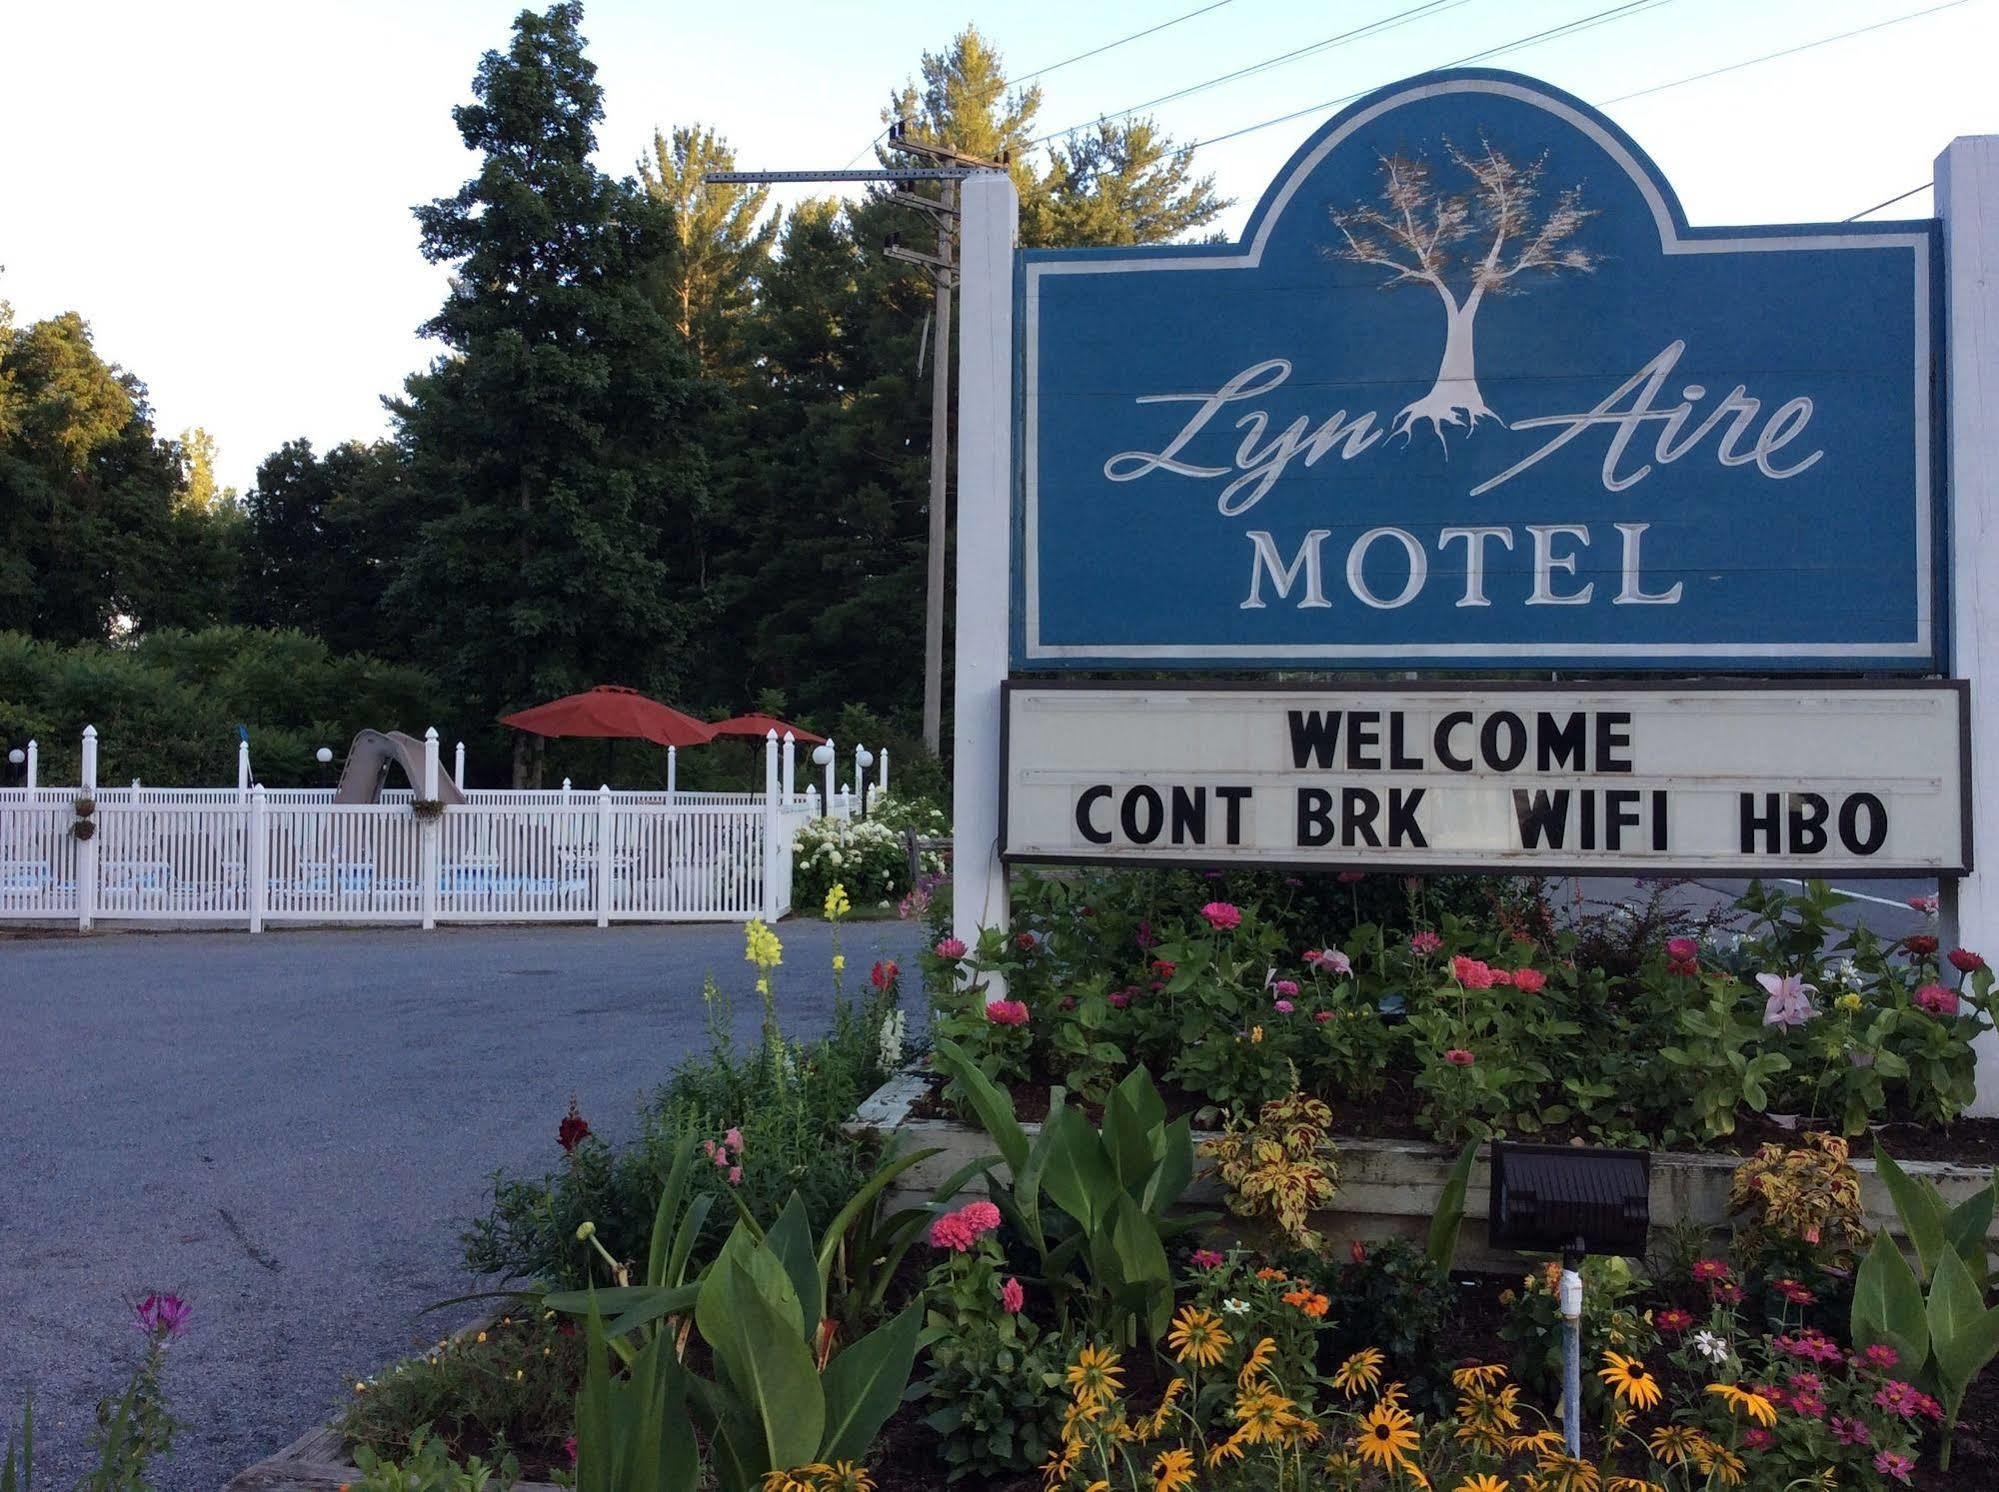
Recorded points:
(223, 189)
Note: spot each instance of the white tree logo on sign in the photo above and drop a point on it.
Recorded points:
(1426, 236)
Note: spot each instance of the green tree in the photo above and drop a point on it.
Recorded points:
(556, 447)
(89, 537)
(1123, 183)
(722, 241)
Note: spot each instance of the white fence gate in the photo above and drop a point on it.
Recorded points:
(252, 856)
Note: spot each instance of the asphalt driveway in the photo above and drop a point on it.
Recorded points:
(290, 1129)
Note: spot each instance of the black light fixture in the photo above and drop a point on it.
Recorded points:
(1570, 1199)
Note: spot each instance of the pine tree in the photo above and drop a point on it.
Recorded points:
(555, 447)
(722, 240)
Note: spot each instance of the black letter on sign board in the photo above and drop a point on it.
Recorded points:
(1402, 825)
(1443, 741)
(1358, 809)
(1155, 808)
(1566, 745)
(1091, 796)
(1613, 734)
(1314, 734)
(1232, 809)
(1808, 814)
(1543, 818)
(1764, 824)
(1315, 817)
(1503, 758)
(1849, 824)
(1620, 812)
(1190, 815)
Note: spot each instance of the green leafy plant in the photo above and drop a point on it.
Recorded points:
(1112, 1189)
(781, 1397)
(1722, 1065)
(1945, 1337)
(429, 1467)
(991, 1369)
(633, 1433)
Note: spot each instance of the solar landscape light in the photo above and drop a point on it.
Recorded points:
(1572, 1200)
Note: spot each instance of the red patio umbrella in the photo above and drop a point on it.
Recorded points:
(615, 712)
(758, 728)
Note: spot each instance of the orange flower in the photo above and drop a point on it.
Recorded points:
(1271, 1274)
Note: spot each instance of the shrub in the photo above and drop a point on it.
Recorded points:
(867, 856)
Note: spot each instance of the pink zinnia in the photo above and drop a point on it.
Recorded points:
(1283, 987)
(1119, 999)
(1501, 978)
(982, 1217)
(1880, 1356)
(1457, 1056)
(952, 1232)
(1470, 972)
(1890, 1464)
(1164, 967)
(1927, 905)
(1849, 1431)
(1425, 943)
(1284, 1007)
(1936, 1000)
(1206, 1259)
(1673, 1320)
(1006, 1012)
(1012, 1297)
(1682, 950)
(1758, 1439)
(1965, 961)
(1710, 1269)
(949, 948)
(1533, 981)
(1222, 916)
(1323, 1016)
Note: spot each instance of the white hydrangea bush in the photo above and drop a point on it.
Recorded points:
(867, 856)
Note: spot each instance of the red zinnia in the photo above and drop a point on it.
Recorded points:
(1965, 961)
(1920, 945)
(1457, 1056)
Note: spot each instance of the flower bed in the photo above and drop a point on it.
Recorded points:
(1449, 1021)
(761, 1296)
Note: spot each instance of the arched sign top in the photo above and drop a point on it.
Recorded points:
(1471, 392)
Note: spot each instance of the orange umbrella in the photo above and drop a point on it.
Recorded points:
(758, 728)
(615, 712)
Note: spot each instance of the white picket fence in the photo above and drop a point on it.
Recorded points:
(257, 856)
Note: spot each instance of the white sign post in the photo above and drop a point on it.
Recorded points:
(990, 210)
(1967, 199)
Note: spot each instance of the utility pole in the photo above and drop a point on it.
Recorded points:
(951, 167)
(944, 274)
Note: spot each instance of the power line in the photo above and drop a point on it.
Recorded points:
(1373, 28)
(1111, 45)
(1902, 197)
(1568, 28)
(1823, 41)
